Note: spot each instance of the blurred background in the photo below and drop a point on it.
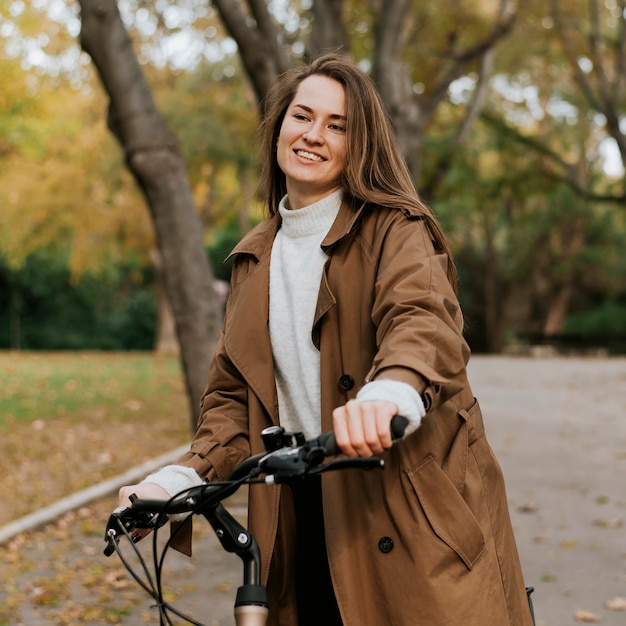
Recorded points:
(511, 115)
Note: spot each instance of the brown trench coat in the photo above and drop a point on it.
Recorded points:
(428, 540)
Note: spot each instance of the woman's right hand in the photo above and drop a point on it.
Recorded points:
(147, 491)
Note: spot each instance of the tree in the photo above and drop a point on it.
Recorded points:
(386, 37)
(55, 152)
(557, 98)
(596, 55)
(578, 79)
(153, 157)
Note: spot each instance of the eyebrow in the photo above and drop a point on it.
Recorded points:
(333, 116)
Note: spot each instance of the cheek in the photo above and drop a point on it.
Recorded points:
(281, 147)
(341, 156)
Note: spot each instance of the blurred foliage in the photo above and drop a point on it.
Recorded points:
(606, 316)
(42, 308)
(75, 234)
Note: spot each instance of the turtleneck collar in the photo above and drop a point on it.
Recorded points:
(314, 218)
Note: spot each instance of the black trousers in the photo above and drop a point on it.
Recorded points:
(317, 605)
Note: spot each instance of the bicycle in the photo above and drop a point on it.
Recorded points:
(288, 458)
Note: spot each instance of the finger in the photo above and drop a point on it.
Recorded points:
(124, 495)
(342, 431)
(363, 429)
(384, 414)
(369, 423)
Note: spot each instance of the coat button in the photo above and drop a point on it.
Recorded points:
(346, 382)
(385, 545)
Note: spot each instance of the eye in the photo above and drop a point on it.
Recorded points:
(338, 127)
(300, 116)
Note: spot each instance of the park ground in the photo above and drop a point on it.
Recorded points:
(556, 424)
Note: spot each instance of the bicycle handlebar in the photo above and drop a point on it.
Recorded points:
(288, 458)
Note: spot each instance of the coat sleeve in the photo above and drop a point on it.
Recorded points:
(221, 439)
(416, 312)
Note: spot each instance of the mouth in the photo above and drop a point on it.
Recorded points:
(310, 156)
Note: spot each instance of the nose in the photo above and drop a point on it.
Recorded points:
(314, 133)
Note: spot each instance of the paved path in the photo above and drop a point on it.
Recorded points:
(558, 429)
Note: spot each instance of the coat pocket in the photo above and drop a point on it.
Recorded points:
(447, 513)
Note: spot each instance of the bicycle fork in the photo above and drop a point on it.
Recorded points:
(251, 607)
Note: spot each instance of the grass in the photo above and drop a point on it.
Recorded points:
(71, 419)
(68, 385)
(67, 421)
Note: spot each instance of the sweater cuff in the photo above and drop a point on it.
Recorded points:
(405, 397)
(174, 478)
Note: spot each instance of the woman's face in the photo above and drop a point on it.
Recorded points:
(311, 147)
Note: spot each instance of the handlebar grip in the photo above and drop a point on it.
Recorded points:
(329, 444)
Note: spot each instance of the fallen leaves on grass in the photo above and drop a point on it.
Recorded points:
(71, 420)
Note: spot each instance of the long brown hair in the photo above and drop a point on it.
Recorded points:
(375, 170)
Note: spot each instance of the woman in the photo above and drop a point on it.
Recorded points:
(343, 312)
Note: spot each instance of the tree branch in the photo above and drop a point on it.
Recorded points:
(259, 53)
(602, 102)
(461, 60)
(569, 176)
(267, 26)
(620, 55)
(471, 113)
(595, 43)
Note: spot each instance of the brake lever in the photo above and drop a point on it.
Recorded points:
(129, 519)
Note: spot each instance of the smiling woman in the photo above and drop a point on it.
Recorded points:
(311, 149)
(342, 314)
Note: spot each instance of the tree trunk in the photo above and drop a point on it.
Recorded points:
(558, 309)
(573, 238)
(245, 179)
(490, 289)
(166, 340)
(157, 165)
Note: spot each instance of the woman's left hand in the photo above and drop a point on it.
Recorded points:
(362, 428)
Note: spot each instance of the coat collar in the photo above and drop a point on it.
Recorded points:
(343, 224)
(258, 242)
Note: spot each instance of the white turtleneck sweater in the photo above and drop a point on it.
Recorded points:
(296, 270)
(296, 267)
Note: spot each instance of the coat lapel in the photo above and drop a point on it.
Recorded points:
(248, 344)
(343, 224)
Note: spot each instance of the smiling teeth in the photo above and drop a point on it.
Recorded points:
(309, 155)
